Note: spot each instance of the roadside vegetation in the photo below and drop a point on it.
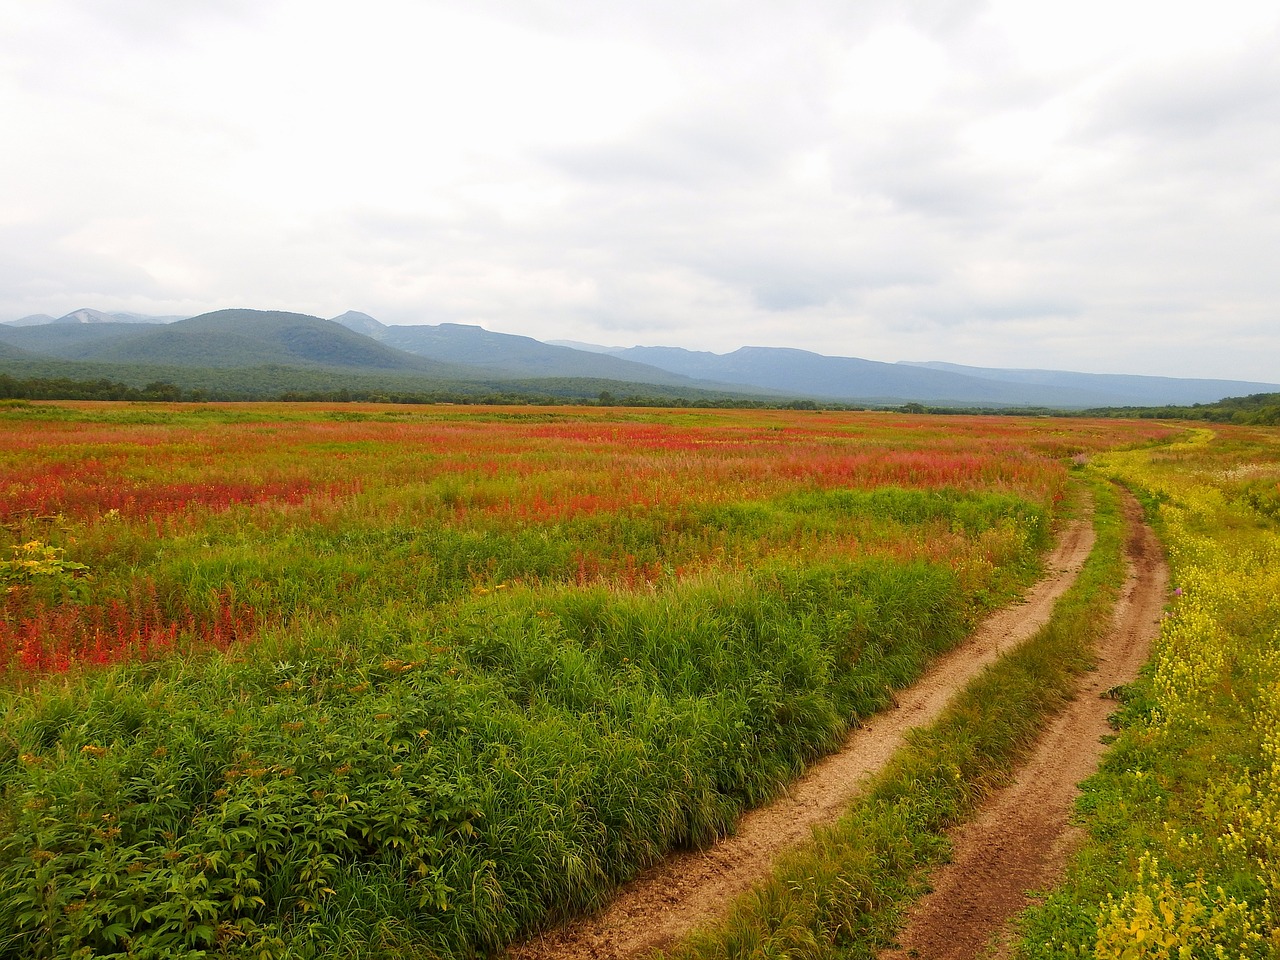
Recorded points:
(1183, 859)
(377, 681)
(844, 894)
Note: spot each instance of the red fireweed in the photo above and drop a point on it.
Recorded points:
(214, 498)
(38, 637)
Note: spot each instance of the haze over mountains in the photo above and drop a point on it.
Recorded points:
(86, 315)
(226, 346)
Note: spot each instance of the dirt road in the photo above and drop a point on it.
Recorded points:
(691, 889)
(1021, 839)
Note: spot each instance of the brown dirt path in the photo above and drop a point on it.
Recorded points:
(1021, 839)
(689, 889)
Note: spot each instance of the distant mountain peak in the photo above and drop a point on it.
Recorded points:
(31, 320)
(88, 315)
(362, 323)
(85, 315)
(355, 316)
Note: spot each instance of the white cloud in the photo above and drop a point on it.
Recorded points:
(984, 182)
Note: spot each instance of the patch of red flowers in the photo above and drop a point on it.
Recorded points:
(36, 637)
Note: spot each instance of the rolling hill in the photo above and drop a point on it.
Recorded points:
(509, 355)
(237, 338)
(70, 341)
(1118, 389)
(277, 348)
(9, 352)
(223, 339)
(851, 379)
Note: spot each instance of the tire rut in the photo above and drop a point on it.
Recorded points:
(1022, 837)
(692, 888)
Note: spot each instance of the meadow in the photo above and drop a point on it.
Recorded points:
(292, 680)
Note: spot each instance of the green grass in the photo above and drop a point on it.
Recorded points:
(325, 570)
(479, 770)
(844, 894)
(487, 671)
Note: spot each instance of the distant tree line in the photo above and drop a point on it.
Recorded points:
(67, 388)
(64, 388)
(1258, 409)
(604, 399)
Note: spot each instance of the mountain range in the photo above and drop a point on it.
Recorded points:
(86, 315)
(237, 348)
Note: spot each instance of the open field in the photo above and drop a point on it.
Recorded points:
(379, 681)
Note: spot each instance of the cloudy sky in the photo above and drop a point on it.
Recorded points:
(1092, 185)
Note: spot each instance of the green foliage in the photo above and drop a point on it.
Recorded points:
(66, 388)
(53, 379)
(44, 570)
(561, 741)
(1258, 409)
(473, 700)
(843, 894)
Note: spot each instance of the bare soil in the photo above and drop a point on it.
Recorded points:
(690, 889)
(1022, 838)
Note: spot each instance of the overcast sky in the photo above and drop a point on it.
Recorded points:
(1092, 185)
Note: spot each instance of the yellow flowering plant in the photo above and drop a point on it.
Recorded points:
(1184, 818)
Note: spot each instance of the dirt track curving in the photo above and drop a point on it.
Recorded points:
(1022, 838)
(690, 889)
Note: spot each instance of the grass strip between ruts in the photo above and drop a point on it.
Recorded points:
(844, 893)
